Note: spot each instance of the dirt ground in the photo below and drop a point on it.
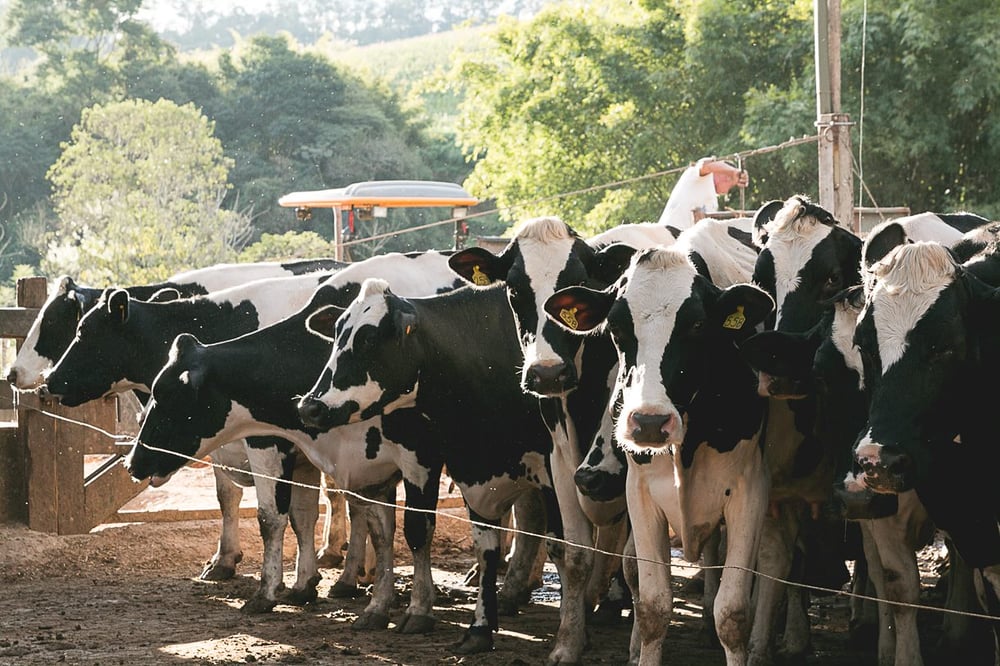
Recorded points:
(128, 594)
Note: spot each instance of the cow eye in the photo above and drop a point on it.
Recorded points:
(834, 283)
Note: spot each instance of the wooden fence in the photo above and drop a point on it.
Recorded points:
(43, 480)
(48, 475)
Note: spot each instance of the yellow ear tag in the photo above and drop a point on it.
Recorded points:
(736, 320)
(479, 278)
(408, 329)
(569, 318)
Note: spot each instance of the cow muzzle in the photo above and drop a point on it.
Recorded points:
(315, 413)
(651, 428)
(884, 469)
(549, 380)
(599, 485)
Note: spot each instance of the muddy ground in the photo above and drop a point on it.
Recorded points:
(128, 594)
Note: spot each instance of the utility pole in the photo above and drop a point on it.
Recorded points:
(836, 191)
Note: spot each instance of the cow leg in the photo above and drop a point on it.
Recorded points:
(529, 516)
(228, 554)
(304, 513)
(886, 624)
(897, 579)
(266, 463)
(616, 596)
(573, 564)
(733, 609)
(713, 557)
(863, 625)
(796, 638)
(654, 602)
(630, 572)
(777, 541)
(381, 531)
(418, 527)
(331, 552)
(486, 541)
(347, 586)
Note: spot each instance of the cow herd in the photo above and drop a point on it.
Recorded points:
(763, 389)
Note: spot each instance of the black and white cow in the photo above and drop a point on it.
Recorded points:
(928, 337)
(454, 357)
(691, 414)
(807, 263)
(55, 326)
(545, 255)
(249, 385)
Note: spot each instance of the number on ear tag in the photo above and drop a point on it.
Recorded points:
(736, 320)
(569, 318)
(479, 278)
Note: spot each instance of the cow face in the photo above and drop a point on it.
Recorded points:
(372, 368)
(669, 324)
(921, 338)
(93, 363)
(545, 255)
(182, 416)
(51, 333)
(601, 475)
(807, 259)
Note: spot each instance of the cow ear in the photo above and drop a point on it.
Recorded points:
(66, 285)
(117, 304)
(579, 309)
(741, 307)
(323, 322)
(479, 266)
(764, 215)
(164, 295)
(610, 262)
(881, 241)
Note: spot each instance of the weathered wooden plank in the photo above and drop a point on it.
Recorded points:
(15, 322)
(43, 490)
(107, 490)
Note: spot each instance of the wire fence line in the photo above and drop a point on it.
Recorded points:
(740, 156)
(129, 440)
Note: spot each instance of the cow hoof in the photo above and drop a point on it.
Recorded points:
(863, 635)
(217, 572)
(344, 591)
(475, 641)
(258, 605)
(329, 558)
(507, 606)
(371, 622)
(416, 624)
(301, 597)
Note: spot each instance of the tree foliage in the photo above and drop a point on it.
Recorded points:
(138, 190)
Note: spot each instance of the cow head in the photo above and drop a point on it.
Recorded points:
(93, 363)
(926, 333)
(807, 259)
(51, 333)
(545, 255)
(181, 419)
(372, 368)
(666, 321)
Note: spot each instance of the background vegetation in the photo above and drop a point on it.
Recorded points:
(128, 154)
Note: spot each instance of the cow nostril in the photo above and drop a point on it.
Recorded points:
(898, 464)
(12, 376)
(650, 427)
(311, 409)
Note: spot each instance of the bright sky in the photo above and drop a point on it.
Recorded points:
(162, 14)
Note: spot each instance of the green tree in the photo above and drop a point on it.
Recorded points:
(294, 121)
(138, 190)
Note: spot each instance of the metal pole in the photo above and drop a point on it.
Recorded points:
(836, 192)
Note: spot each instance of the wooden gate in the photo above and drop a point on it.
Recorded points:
(62, 470)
